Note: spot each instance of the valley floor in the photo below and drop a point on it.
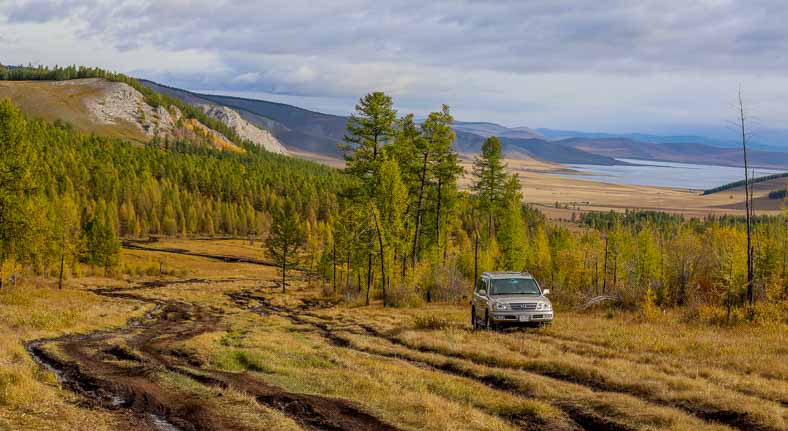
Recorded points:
(544, 189)
(215, 344)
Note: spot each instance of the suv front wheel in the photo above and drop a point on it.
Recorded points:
(488, 323)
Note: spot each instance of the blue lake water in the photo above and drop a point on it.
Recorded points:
(665, 174)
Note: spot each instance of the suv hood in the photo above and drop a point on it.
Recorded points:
(518, 298)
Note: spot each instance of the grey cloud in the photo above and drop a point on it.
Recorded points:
(497, 56)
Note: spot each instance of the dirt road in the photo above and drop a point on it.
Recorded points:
(116, 370)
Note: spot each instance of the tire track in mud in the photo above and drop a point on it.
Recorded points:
(601, 351)
(741, 420)
(135, 245)
(117, 370)
(580, 420)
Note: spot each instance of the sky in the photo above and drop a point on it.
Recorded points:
(606, 65)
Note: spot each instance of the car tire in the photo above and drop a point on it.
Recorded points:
(489, 323)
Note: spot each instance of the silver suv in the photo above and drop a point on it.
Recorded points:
(509, 298)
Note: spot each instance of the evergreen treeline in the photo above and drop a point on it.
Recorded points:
(71, 195)
(740, 183)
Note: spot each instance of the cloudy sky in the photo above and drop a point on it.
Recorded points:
(606, 65)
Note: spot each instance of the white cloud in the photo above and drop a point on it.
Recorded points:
(611, 64)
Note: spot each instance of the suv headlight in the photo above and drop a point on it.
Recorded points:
(542, 306)
(498, 306)
(548, 306)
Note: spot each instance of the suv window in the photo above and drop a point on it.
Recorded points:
(515, 286)
(481, 285)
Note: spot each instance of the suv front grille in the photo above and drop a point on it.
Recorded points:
(524, 306)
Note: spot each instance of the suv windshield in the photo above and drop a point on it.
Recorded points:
(514, 286)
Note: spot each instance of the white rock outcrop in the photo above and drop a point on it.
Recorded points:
(245, 129)
(119, 103)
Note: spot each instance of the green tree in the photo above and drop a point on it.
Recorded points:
(67, 232)
(17, 184)
(102, 244)
(370, 128)
(445, 166)
(489, 173)
(511, 234)
(285, 239)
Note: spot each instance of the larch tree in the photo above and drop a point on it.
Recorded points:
(67, 232)
(370, 128)
(511, 234)
(745, 137)
(285, 239)
(489, 172)
(17, 182)
(444, 163)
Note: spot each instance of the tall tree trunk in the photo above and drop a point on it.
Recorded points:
(438, 215)
(334, 260)
(476, 259)
(284, 268)
(747, 206)
(382, 258)
(347, 273)
(60, 278)
(604, 283)
(418, 210)
(369, 275)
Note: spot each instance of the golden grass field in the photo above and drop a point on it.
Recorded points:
(220, 342)
(66, 101)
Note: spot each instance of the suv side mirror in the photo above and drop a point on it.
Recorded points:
(546, 292)
(483, 292)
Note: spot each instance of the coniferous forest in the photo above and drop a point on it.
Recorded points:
(394, 225)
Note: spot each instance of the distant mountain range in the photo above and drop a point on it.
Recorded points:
(766, 139)
(319, 133)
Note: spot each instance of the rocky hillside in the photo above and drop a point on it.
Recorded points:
(112, 109)
(246, 130)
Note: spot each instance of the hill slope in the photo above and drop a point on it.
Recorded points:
(315, 132)
(294, 127)
(107, 108)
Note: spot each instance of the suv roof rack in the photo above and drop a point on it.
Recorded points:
(499, 273)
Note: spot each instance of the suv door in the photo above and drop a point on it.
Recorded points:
(480, 301)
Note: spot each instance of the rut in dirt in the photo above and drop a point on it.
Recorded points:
(586, 419)
(118, 370)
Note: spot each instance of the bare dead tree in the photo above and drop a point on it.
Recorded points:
(742, 123)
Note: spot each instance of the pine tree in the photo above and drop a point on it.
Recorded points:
(17, 161)
(490, 175)
(285, 239)
(370, 128)
(511, 233)
(102, 244)
(445, 167)
(67, 232)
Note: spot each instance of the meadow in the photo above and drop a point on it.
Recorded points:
(215, 344)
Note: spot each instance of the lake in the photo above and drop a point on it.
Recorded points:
(665, 174)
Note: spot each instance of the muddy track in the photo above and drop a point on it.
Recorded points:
(582, 420)
(589, 420)
(134, 245)
(736, 419)
(119, 370)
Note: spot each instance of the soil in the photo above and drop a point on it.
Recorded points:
(117, 370)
